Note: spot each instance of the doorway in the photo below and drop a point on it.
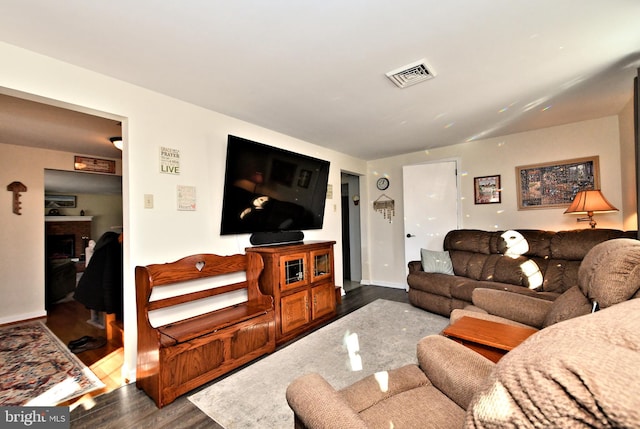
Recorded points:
(432, 208)
(351, 238)
(69, 130)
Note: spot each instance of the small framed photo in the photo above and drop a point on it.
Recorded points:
(486, 190)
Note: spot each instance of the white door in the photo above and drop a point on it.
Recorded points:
(430, 206)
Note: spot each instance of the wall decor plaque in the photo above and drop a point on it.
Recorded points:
(97, 165)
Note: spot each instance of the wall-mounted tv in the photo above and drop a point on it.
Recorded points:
(271, 190)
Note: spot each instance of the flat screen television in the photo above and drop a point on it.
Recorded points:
(271, 190)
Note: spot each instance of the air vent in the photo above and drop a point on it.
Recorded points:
(411, 74)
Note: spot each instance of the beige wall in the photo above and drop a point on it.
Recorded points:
(386, 262)
(628, 167)
(106, 212)
(161, 234)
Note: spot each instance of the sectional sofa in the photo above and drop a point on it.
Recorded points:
(538, 263)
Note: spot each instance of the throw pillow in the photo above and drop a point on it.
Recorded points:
(436, 262)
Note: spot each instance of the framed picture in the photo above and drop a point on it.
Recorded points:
(555, 184)
(59, 201)
(486, 190)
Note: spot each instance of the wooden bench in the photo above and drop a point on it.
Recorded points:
(176, 357)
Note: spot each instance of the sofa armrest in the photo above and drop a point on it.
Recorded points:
(415, 266)
(455, 370)
(524, 309)
(317, 405)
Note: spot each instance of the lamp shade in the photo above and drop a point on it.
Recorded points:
(117, 142)
(589, 202)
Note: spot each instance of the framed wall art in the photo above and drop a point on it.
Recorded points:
(60, 201)
(486, 190)
(555, 184)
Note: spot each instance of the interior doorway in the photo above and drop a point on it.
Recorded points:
(433, 208)
(70, 130)
(351, 237)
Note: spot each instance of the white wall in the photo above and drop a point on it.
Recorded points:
(491, 157)
(161, 234)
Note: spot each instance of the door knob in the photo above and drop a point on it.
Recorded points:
(410, 235)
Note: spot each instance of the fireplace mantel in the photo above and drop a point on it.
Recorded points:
(68, 218)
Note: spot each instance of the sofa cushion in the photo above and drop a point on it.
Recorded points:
(581, 372)
(575, 244)
(436, 262)
(610, 273)
(470, 240)
(560, 275)
(570, 304)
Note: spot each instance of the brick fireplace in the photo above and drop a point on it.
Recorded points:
(67, 236)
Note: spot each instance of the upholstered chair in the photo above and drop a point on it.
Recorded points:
(582, 372)
(609, 274)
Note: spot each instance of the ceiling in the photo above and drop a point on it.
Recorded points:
(315, 70)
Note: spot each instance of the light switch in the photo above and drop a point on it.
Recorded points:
(148, 201)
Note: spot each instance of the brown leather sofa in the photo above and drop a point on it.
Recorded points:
(580, 372)
(479, 261)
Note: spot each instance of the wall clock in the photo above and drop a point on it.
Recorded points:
(382, 183)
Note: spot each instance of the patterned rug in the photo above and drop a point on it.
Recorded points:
(379, 336)
(36, 368)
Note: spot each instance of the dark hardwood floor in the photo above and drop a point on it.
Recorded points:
(128, 407)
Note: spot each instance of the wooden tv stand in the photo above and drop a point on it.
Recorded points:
(491, 339)
(300, 278)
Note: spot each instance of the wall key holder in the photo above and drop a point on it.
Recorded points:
(16, 188)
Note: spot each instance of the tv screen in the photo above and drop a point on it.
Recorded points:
(267, 189)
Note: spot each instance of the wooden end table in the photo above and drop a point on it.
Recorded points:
(491, 339)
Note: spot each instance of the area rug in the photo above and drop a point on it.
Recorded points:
(379, 336)
(36, 368)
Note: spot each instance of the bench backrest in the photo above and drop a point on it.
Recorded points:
(194, 267)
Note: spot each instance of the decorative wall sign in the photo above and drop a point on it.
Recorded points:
(186, 198)
(486, 190)
(94, 164)
(555, 184)
(169, 160)
(385, 205)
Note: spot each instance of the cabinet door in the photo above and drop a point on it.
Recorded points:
(321, 264)
(323, 300)
(293, 271)
(294, 311)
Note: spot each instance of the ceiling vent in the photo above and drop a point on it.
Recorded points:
(411, 74)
